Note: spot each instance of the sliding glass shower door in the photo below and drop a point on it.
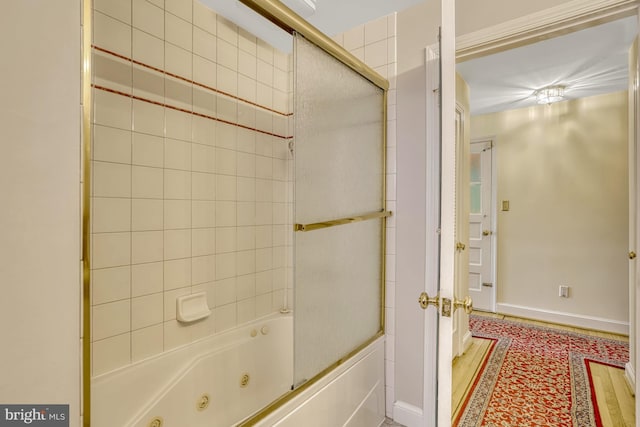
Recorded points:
(339, 213)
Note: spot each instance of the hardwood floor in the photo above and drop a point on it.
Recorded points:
(465, 369)
(615, 401)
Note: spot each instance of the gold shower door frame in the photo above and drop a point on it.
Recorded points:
(289, 21)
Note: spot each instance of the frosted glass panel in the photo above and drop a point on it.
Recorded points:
(476, 183)
(338, 158)
(476, 198)
(476, 167)
(338, 138)
(337, 294)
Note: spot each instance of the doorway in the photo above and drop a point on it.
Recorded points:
(482, 283)
(561, 217)
(614, 323)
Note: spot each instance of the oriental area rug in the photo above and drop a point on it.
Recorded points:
(536, 376)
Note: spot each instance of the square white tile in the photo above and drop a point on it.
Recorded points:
(146, 246)
(110, 284)
(147, 183)
(146, 311)
(205, 213)
(147, 215)
(147, 278)
(111, 144)
(177, 273)
(111, 250)
(111, 319)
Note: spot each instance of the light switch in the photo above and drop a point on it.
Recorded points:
(505, 205)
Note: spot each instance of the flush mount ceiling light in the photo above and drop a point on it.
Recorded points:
(549, 94)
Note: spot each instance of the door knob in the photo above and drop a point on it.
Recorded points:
(486, 233)
(467, 304)
(632, 255)
(460, 246)
(425, 301)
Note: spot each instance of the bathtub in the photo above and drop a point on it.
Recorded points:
(217, 381)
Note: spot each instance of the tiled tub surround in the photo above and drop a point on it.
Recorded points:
(191, 176)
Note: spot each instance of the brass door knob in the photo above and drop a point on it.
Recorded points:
(632, 255)
(425, 301)
(467, 304)
(486, 233)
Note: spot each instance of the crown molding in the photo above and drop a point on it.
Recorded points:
(566, 18)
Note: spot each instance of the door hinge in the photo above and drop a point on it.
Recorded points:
(487, 285)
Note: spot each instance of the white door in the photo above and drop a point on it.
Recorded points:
(442, 199)
(461, 334)
(482, 287)
(454, 211)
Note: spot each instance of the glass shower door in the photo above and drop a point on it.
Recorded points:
(339, 210)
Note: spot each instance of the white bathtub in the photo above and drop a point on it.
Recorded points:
(237, 372)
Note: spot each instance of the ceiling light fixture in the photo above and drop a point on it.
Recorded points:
(549, 94)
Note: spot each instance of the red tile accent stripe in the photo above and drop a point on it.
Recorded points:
(142, 64)
(161, 104)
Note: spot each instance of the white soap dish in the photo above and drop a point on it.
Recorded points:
(190, 308)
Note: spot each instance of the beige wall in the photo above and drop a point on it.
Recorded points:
(40, 218)
(563, 168)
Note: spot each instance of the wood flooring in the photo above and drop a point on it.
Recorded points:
(615, 401)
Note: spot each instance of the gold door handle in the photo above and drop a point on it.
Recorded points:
(632, 255)
(425, 301)
(460, 246)
(487, 233)
(467, 304)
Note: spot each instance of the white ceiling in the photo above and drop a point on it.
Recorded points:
(588, 62)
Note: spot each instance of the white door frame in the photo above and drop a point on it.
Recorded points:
(528, 29)
(631, 370)
(566, 17)
(447, 206)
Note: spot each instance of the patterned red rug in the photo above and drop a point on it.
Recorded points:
(536, 376)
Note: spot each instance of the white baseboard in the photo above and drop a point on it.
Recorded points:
(630, 376)
(577, 320)
(407, 414)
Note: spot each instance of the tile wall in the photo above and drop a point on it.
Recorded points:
(191, 176)
(375, 44)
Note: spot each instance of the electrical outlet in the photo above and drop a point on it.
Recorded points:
(563, 291)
